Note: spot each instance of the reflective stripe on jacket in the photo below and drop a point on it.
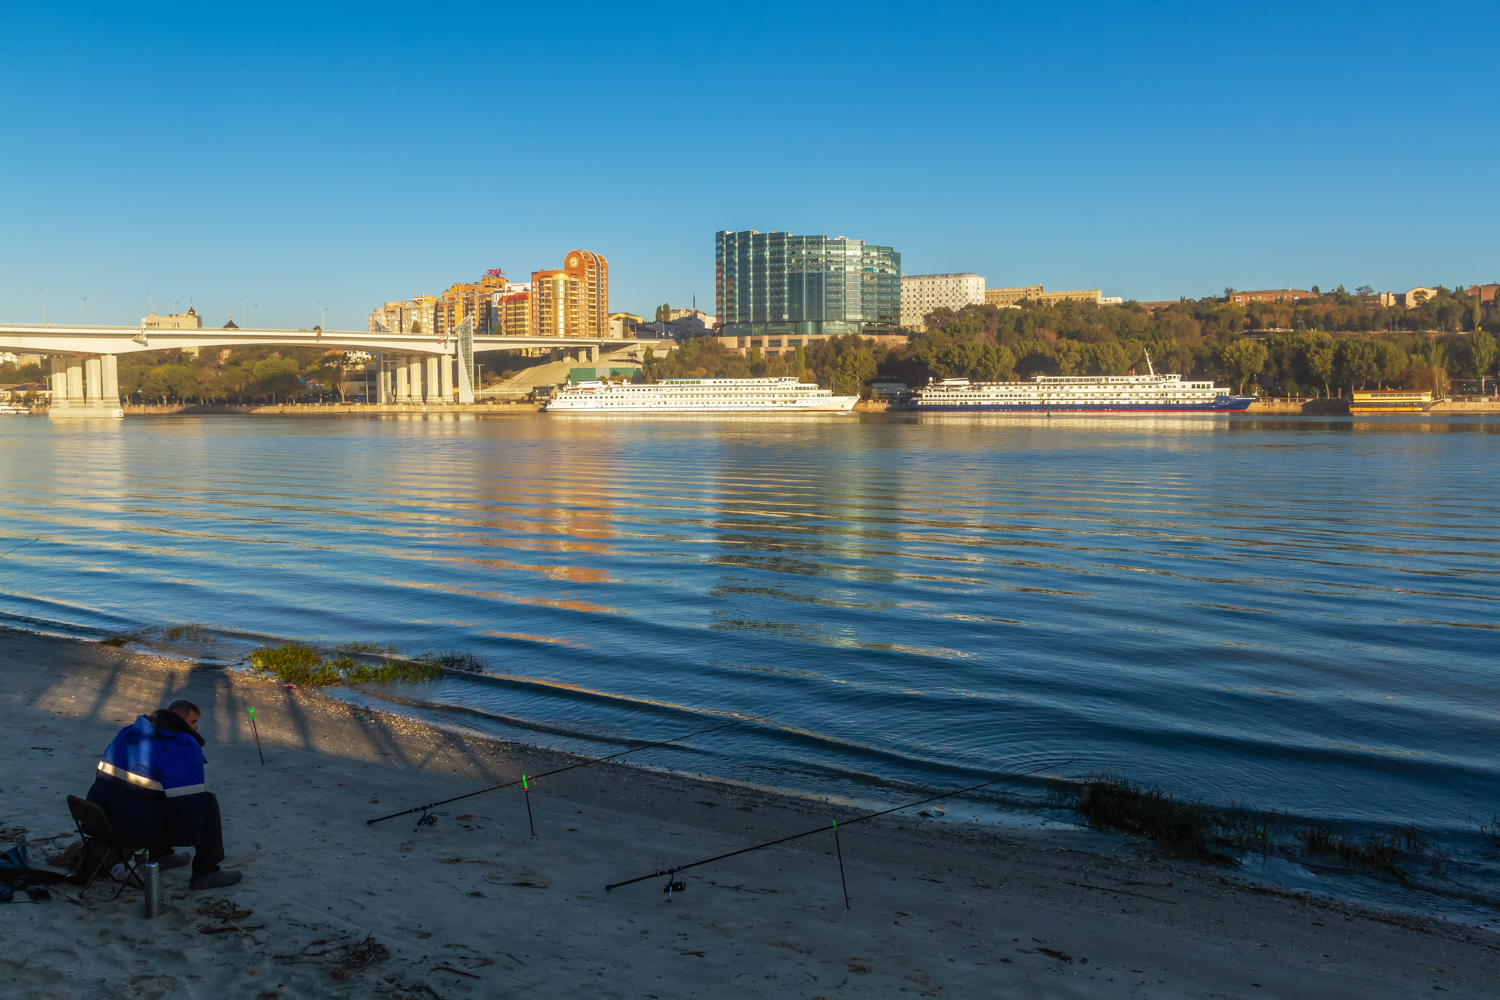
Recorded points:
(154, 761)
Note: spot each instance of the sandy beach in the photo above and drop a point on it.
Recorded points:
(475, 906)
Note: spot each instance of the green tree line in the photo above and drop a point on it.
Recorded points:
(1324, 346)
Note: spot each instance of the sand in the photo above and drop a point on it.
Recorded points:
(475, 907)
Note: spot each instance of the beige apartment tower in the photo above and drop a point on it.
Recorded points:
(922, 293)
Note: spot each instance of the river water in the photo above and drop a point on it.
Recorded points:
(1295, 613)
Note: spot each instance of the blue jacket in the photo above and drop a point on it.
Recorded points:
(150, 782)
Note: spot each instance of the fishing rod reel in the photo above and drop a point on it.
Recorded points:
(426, 820)
(673, 885)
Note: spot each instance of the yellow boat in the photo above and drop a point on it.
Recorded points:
(1388, 401)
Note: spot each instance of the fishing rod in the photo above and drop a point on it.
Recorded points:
(429, 820)
(674, 885)
(18, 548)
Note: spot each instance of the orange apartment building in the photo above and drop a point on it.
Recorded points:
(573, 301)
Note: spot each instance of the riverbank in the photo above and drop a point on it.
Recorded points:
(475, 906)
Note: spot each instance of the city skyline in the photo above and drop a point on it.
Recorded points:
(253, 164)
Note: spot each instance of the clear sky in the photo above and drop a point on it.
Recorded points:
(297, 154)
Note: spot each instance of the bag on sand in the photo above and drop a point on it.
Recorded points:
(16, 873)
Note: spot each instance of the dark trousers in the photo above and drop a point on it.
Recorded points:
(209, 850)
(160, 824)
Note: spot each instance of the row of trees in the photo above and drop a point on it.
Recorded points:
(1200, 340)
(245, 375)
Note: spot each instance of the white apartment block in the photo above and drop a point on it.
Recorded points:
(922, 293)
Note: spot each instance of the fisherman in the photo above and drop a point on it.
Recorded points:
(150, 785)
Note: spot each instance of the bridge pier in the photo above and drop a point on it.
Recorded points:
(85, 386)
(414, 378)
(445, 384)
(403, 386)
(432, 382)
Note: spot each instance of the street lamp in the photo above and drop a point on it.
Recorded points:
(80, 309)
(45, 321)
(252, 314)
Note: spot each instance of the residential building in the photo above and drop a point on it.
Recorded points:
(476, 299)
(572, 301)
(623, 324)
(1409, 299)
(685, 323)
(1111, 300)
(784, 288)
(1486, 293)
(1270, 295)
(593, 275)
(173, 321)
(1035, 293)
(922, 293)
(515, 311)
(556, 303)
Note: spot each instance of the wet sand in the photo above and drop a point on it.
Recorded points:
(475, 906)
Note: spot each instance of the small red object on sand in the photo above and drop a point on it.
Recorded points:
(291, 687)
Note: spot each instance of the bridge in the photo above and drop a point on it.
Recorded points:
(434, 369)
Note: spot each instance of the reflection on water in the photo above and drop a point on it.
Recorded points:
(1294, 612)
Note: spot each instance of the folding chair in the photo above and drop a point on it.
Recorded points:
(94, 830)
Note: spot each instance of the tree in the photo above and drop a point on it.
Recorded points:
(664, 313)
(1243, 360)
(1390, 361)
(853, 370)
(416, 326)
(1363, 290)
(1320, 364)
(1355, 363)
(1481, 356)
(1431, 363)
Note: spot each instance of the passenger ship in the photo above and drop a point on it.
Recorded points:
(701, 395)
(1151, 393)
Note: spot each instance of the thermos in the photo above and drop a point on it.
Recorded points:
(152, 872)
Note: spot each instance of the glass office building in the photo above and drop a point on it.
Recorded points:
(777, 284)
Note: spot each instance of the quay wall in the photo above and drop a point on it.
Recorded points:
(329, 409)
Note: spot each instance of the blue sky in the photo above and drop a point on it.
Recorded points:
(291, 155)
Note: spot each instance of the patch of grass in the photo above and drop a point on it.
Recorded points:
(117, 640)
(306, 666)
(1211, 832)
(456, 659)
(1393, 852)
(1185, 827)
(192, 632)
(364, 649)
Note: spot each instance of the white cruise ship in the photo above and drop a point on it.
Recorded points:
(1079, 394)
(701, 395)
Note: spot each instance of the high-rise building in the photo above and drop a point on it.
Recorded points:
(556, 303)
(515, 310)
(593, 275)
(922, 293)
(779, 285)
(476, 299)
(572, 301)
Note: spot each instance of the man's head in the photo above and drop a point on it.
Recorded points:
(186, 711)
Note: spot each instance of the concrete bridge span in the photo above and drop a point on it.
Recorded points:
(414, 368)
